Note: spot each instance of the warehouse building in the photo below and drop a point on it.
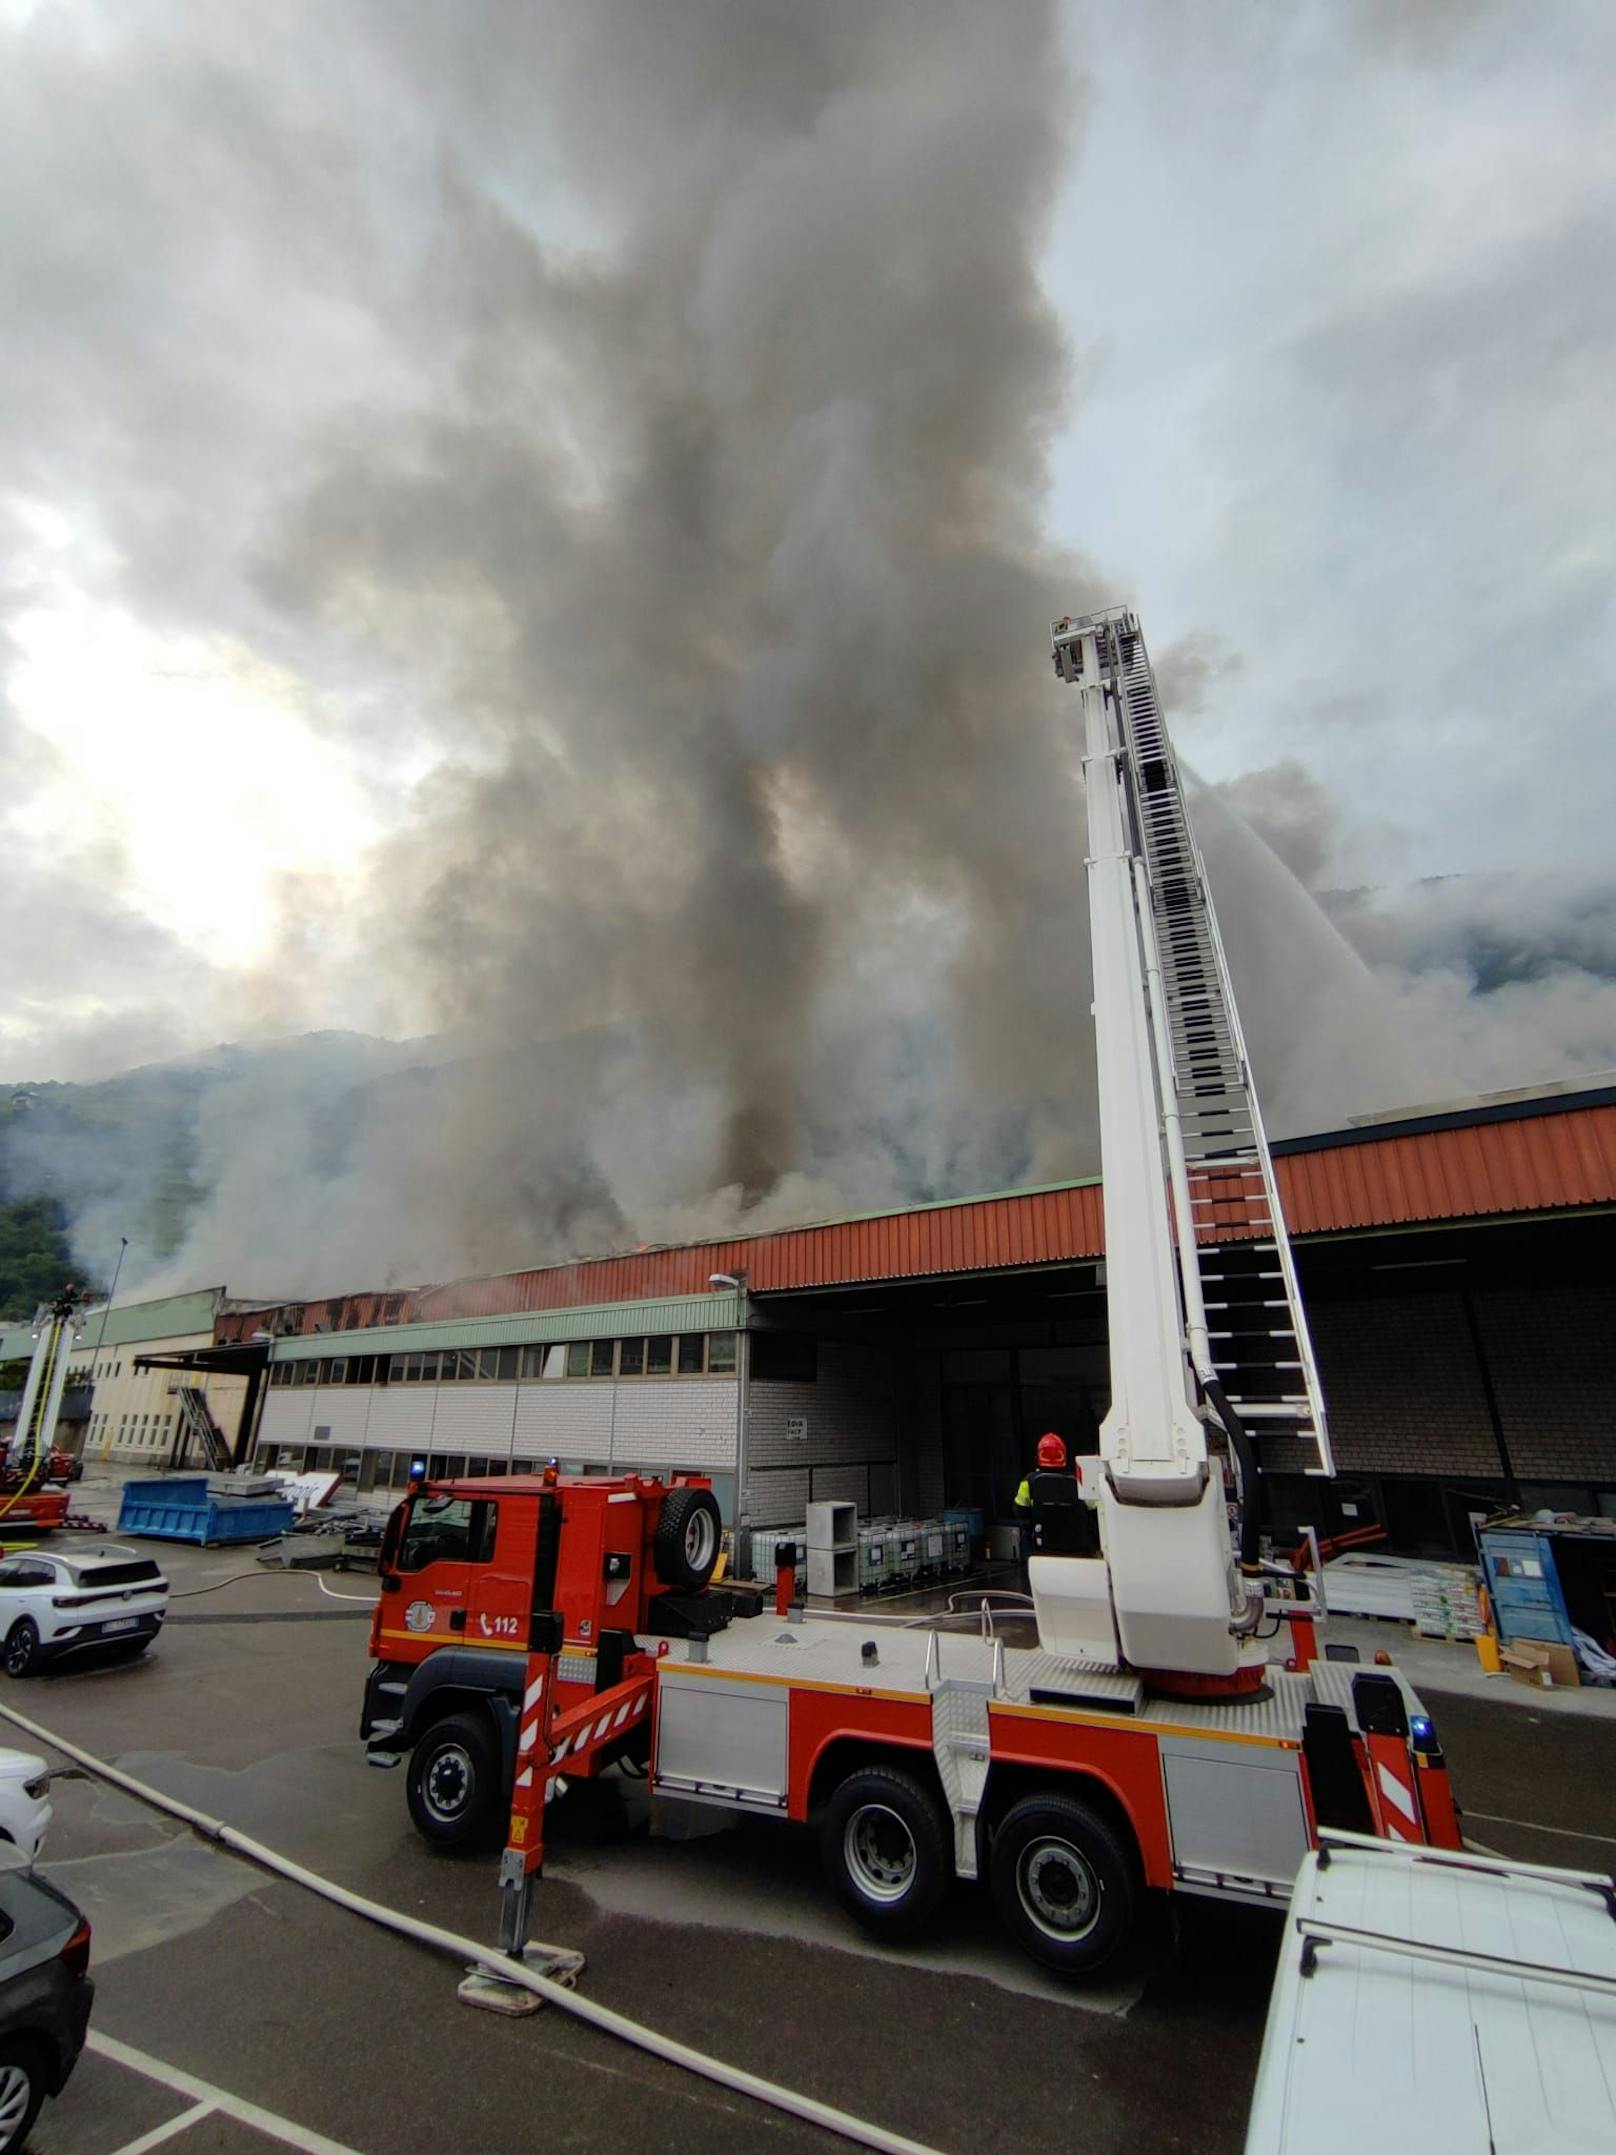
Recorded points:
(1459, 1270)
(125, 1371)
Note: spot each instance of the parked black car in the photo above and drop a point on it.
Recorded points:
(45, 1994)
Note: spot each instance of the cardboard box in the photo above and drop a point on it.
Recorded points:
(1540, 1662)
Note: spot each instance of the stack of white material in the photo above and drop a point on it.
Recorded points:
(1364, 1585)
(1439, 1600)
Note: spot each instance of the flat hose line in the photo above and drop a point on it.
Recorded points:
(554, 1989)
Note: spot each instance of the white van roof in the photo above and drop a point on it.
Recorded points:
(1438, 2001)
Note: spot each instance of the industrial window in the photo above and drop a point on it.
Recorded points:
(362, 1369)
(395, 1368)
(631, 1357)
(454, 1366)
(308, 1372)
(505, 1360)
(784, 1358)
(337, 1371)
(532, 1362)
(659, 1356)
(602, 1357)
(721, 1354)
(691, 1345)
(578, 1358)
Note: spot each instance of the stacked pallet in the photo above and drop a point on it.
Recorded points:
(1445, 1603)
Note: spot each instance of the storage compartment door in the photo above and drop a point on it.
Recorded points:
(722, 1738)
(1235, 1809)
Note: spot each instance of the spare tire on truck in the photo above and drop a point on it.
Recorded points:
(685, 1548)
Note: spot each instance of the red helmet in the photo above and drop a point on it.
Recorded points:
(1051, 1450)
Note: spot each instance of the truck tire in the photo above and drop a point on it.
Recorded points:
(885, 1847)
(453, 1783)
(1063, 1883)
(688, 1534)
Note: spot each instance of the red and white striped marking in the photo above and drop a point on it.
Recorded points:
(1396, 1798)
(527, 1741)
(593, 1732)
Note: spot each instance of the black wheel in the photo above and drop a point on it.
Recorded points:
(885, 1847)
(21, 1655)
(687, 1537)
(1063, 1883)
(22, 2090)
(453, 1783)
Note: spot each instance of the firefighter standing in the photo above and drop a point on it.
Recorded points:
(1055, 1519)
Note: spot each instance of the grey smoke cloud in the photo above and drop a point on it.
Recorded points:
(632, 428)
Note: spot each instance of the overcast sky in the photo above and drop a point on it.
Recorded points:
(1340, 297)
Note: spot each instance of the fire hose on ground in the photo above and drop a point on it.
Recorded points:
(562, 1964)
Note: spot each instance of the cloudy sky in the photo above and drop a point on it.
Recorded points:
(1321, 384)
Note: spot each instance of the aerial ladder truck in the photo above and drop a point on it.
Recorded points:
(31, 1458)
(536, 1630)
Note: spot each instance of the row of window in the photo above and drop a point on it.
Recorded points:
(391, 1470)
(145, 1429)
(376, 1470)
(664, 1354)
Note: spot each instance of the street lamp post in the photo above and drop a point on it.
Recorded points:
(736, 1280)
(95, 1356)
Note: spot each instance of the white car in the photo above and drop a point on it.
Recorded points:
(53, 1608)
(25, 1808)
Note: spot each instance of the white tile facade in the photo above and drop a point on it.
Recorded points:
(684, 1422)
(849, 1421)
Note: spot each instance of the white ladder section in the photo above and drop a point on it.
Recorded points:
(1257, 1333)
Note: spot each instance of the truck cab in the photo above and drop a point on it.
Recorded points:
(469, 1567)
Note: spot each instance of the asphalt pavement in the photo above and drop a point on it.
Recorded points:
(236, 2011)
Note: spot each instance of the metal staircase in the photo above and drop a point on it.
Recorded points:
(960, 1744)
(1256, 1331)
(196, 1420)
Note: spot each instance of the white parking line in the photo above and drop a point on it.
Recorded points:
(207, 2097)
(159, 2133)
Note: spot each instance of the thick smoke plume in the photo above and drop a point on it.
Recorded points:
(669, 488)
(718, 548)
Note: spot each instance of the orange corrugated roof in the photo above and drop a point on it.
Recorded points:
(1539, 1163)
(1454, 1169)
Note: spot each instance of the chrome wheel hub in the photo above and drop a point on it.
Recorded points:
(880, 1853)
(1058, 1889)
(447, 1785)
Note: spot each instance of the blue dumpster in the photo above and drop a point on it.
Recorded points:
(181, 1507)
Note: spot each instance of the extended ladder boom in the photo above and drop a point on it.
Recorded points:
(1205, 1318)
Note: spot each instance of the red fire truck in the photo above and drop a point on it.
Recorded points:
(581, 1604)
(535, 1630)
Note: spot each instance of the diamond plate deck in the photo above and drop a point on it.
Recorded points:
(1091, 1684)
